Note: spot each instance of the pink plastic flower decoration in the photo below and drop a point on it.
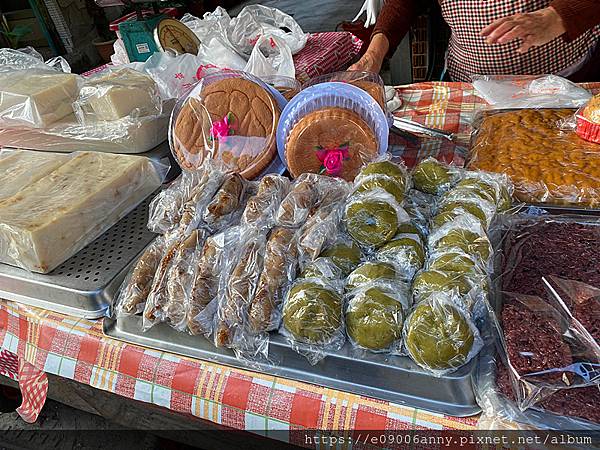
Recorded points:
(332, 159)
(222, 128)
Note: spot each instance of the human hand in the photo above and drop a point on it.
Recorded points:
(369, 63)
(373, 58)
(533, 29)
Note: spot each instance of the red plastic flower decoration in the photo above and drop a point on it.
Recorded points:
(332, 159)
(222, 128)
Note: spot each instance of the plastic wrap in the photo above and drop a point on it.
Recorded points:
(115, 94)
(331, 128)
(136, 287)
(202, 297)
(588, 121)
(323, 268)
(345, 254)
(312, 318)
(179, 279)
(323, 225)
(167, 208)
(433, 177)
(57, 215)
(36, 98)
(255, 21)
(369, 82)
(370, 272)
(384, 174)
(280, 268)
(230, 117)
(271, 56)
(439, 335)
(405, 251)
(465, 235)
(19, 169)
(529, 91)
(126, 135)
(372, 218)
(288, 87)
(557, 354)
(297, 205)
(374, 316)
(227, 203)
(246, 264)
(158, 297)
(545, 163)
(262, 207)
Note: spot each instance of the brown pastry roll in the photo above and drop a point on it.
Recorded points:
(135, 292)
(204, 287)
(261, 208)
(279, 264)
(296, 206)
(240, 287)
(226, 201)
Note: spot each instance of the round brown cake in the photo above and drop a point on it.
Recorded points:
(234, 120)
(330, 130)
(373, 89)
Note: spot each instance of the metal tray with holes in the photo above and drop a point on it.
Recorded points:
(84, 285)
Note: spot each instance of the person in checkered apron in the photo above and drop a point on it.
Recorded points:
(501, 37)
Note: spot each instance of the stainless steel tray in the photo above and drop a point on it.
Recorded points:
(392, 378)
(83, 286)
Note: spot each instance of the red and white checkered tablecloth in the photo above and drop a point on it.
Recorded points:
(323, 53)
(78, 350)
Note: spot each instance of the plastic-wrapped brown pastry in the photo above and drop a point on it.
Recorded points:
(179, 278)
(136, 288)
(297, 205)
(198, 198)
(240, 288)
(279, 268)
(261, 208)
(226, 201)
(157, 297)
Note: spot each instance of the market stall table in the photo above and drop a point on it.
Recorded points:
(35, 341)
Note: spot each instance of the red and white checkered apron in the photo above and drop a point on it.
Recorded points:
(468, 54)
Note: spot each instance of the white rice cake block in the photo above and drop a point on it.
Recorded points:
(52, 219)
(119, 93)
(36, 99)
(20, 168)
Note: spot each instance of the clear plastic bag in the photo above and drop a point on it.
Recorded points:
(271, 56)
(227, 204)
(312, 318)
(370, 272)
(557, 355)
(323, 225)
(297, 205)
(288, 87)
(136, 287)
(246, 266)
(202, 297)
(262, 207)
(406, 252)
(465, 234)
(230, 117)
(439, 335)
(19, 169)
(546, 164)
(530, 91)
(280, 268)
(433, 177)
(374, 316)
(115, 94)
(180, 277)
(255, 21)
(55, 216)
(167, 208)
(372, 218)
